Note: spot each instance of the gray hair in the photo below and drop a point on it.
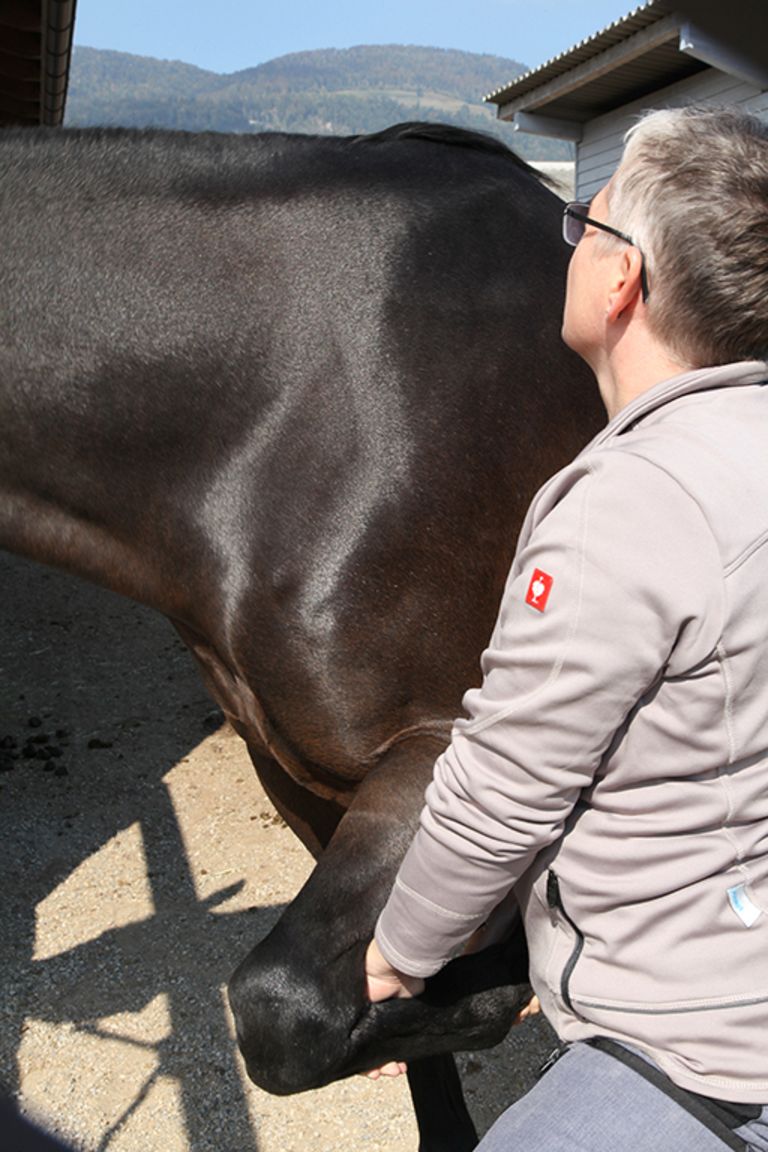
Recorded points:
(692, 192)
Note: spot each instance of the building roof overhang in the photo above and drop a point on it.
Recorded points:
(654, 46)
(35, 54)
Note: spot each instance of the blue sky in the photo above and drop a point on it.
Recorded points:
(227, 35)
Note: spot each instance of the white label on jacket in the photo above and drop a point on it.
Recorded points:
(746, 911)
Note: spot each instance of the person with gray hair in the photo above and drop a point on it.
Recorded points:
(692, 191)
(610, 772)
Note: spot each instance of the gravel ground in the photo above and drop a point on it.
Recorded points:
(141, 860)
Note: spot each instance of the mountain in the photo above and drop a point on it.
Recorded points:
(340, 91)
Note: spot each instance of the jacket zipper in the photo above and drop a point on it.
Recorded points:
(555, 903)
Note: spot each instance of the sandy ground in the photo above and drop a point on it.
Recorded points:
(140, 861)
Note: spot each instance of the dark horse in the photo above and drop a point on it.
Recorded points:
(295, 393)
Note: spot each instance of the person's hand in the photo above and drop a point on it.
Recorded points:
(383, 982)
(532, 1008)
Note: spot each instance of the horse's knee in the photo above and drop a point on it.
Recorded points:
(291, 1033)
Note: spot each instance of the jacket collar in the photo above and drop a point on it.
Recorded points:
(701, 380)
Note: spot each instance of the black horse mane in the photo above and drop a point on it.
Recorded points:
(449, 134)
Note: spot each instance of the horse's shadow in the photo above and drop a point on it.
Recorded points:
(109, 684)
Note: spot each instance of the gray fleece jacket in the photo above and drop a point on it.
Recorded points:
(613, 767)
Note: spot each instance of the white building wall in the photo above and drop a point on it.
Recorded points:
(599, 151)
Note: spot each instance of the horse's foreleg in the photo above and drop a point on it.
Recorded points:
(302, 1015)
(438, 1101)
(300, 994)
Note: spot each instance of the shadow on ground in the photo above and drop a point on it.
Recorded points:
(110, 693)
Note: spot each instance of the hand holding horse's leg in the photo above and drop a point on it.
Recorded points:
(383, 982)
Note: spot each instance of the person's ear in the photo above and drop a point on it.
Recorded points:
(628, 283)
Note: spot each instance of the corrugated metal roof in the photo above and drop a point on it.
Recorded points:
(635, 79)
(617, 32)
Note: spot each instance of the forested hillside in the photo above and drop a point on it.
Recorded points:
(342, 91)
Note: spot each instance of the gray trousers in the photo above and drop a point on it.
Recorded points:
(589, 1101)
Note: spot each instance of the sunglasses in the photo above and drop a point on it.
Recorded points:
(575, 219)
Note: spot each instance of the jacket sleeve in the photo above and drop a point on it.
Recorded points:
(635, 594)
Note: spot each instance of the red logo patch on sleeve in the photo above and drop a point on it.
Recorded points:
(539, 589)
